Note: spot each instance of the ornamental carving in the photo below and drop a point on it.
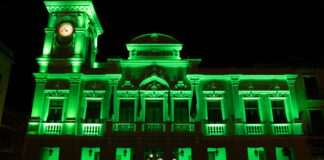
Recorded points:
(180, 94)
(127, 94)
(94, 93)
(154, 94)
(127, 86)
(57, 93)
(213, 94)
(181, 86)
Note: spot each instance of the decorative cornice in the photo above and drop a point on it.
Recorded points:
(127, 93)
(154, 94)
(213, 94)
(57, 93)
(94, 93)
(181, 94)
(256, 94)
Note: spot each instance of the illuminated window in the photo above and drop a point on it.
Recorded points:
(126, 112)
(90, 153)
(252, 111)
(153, 153)
(216, 153)
(154, 111)
(284, 153)
(49, 153)
(214, 112)
(55, 111)
(256, 153)
(181, 111)
(93, 112)
(278, 111)
(312, 88)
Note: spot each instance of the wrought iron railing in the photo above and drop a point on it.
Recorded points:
(124, 127)
(216, 129)
(52, 128)
(281, 129)
(254, 129)
(153, 127)
(91, 129)
(182, 127)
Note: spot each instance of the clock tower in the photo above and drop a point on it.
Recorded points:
(70, 37)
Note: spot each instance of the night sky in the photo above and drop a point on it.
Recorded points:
(235, 33)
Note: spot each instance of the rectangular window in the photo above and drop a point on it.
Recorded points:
(317, 122)
(55, 111)
(125, 154)
(93, 112)
(126, 112)
(312, 88)
(278, 111)
(181, 111)
(252, 111)
(214, 112)
(154, 111)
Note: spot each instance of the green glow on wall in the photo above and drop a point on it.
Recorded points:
(183, 153)
(49, 153)
(124, 154)
(216, 153)
(88, 153)
(256, 153)
(284, 153)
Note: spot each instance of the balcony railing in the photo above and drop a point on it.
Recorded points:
(124, 127)
(153, 127)
(254, 129)
(52, 128)
(91, 129)
(281, 129)
(216, 129)
(182, 127)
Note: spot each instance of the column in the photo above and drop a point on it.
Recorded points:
(293, 108)
(238, 116)
(71, 117)
(37, 109)
(265, 113)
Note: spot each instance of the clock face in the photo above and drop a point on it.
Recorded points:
(65, 29)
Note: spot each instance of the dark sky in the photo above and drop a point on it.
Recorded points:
(236, 33)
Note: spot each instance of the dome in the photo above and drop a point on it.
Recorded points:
(154, 38)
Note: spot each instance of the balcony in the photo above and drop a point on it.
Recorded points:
(91, 129)
(216, 129)
(52, 128)
(153, 128)
(281, 129)
(254, 129)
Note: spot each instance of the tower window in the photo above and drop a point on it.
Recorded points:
(214, 112)
(55, 111)
(278, 111)
(93, 112)
(312, 88)
(252, 111)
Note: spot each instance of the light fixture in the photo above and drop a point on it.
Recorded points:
(151, 155)
(256, 152)
(90, 152)
(216, 152)
(125, 152)
(50, 152)
(182, 153)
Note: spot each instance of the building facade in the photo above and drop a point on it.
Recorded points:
(155, 105)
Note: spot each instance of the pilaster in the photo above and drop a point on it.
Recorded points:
(194, 81)
(238, 111)
(37, 109)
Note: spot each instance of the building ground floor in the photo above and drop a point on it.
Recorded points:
(128, 147)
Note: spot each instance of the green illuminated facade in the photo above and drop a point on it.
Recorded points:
(156, 105)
